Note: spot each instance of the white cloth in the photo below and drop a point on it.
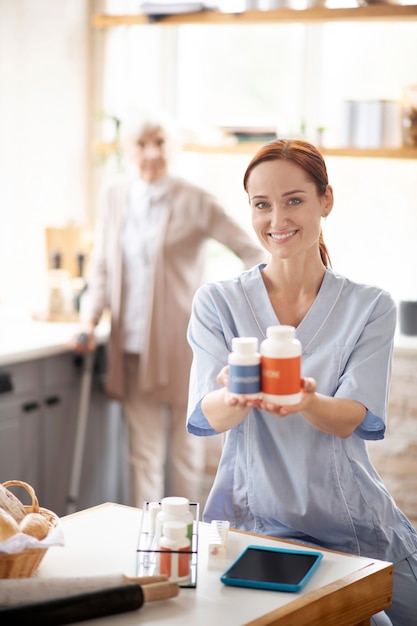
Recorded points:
(146, 206)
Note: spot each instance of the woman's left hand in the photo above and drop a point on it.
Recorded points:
(308, 389)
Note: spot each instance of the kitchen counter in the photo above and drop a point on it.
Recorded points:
(25, 339)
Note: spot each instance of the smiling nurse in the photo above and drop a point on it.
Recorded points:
(302, 472)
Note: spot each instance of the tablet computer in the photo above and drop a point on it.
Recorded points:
(278, 569)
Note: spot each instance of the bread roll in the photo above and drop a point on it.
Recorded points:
(8, 525)
(10, 503)
(35, 524)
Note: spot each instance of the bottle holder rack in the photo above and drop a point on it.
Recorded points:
(147, 553)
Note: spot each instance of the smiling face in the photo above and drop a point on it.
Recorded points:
(286, 208)
(149, 152)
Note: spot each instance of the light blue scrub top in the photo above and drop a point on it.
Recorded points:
(282, 477)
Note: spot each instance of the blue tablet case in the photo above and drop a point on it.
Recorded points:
(277, 569)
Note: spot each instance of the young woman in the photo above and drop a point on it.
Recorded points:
(302, 472)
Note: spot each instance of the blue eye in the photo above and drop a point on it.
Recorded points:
(261, 205)
(294, 201)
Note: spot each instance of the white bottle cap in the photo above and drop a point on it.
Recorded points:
(176, 506)
(280, 332)
(245, 345)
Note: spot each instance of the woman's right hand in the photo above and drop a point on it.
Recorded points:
(223, 410)
(84, 342)
(240, 401)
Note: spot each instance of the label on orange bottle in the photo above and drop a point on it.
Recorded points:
(281, 377)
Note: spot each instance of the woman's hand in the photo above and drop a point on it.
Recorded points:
(308, 389)
(240, 401)
(84, 342)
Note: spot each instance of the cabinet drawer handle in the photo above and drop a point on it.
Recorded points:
(6, 382)
(51, 400)
(30, 406)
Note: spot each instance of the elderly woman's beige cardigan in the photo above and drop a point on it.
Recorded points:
(194, 216)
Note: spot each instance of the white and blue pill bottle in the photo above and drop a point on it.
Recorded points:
(245, 367)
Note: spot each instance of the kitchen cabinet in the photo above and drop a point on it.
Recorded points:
(38, 420)
(61, 377)
(316, 15)
(20, 423)
(37, 426)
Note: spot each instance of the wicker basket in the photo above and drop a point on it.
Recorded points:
(24, 564)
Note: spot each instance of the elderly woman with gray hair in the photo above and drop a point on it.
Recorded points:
(148, 260)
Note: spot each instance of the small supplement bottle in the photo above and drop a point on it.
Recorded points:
(245, 367)
(176, 509)
(175, 550)
(281, 366)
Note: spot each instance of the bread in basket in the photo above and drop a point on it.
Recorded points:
(24, 564)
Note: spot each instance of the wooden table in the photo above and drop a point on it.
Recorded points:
(344, 591)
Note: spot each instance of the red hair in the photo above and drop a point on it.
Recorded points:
(306, 156)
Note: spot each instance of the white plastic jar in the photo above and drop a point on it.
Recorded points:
(175, 552)
(281, 366)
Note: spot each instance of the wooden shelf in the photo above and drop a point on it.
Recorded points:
(379, 153)
(375, 12)
(250, 147)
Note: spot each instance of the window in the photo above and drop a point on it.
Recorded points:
(232, 75)
(291, 76)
